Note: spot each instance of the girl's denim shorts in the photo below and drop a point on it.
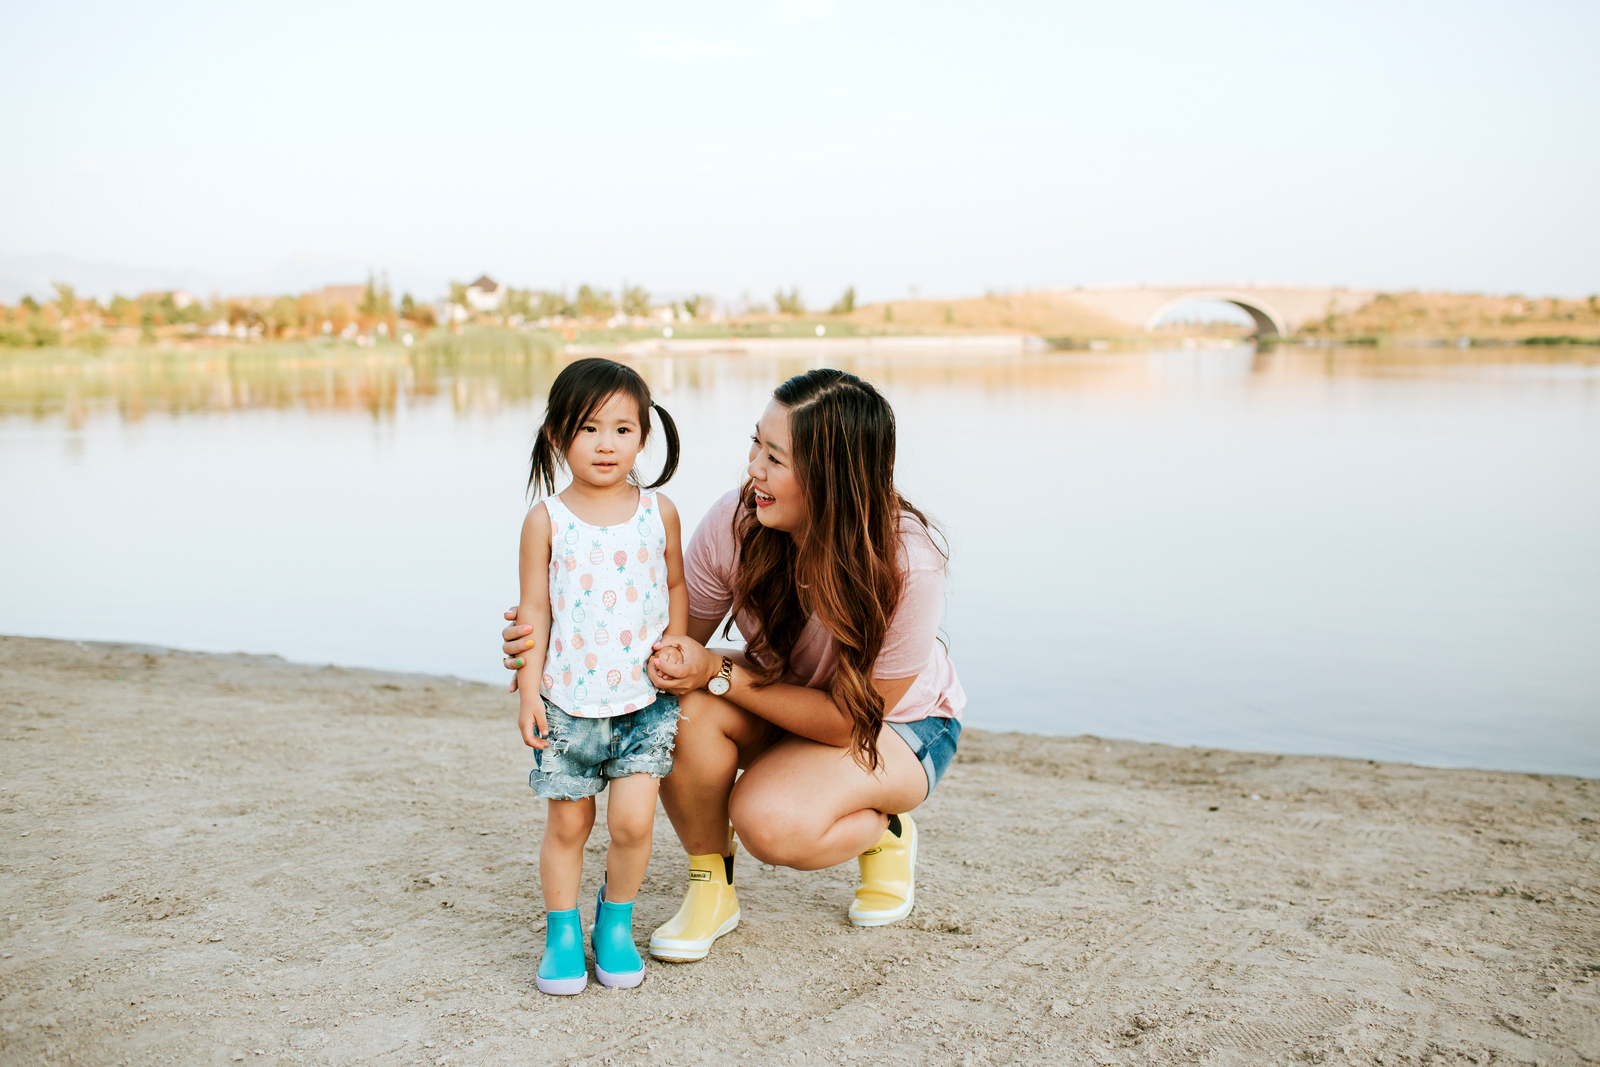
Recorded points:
(585, 753)
(933, 741)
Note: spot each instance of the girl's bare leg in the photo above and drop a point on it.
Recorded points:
(630, 816)
(715, 738)
(566, 830)
(807, 805)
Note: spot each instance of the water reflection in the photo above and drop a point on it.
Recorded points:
(1384, 553)
(138, 384)
(135, 384)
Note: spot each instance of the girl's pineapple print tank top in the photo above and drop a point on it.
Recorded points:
(608, 602)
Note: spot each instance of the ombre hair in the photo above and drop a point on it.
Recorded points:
(580, 390)
(846, 565)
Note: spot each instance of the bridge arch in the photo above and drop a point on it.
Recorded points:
(1268, 322)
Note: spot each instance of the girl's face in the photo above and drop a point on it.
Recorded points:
(780, 502)
(607, 444)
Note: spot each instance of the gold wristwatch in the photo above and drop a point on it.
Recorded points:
(720, 685)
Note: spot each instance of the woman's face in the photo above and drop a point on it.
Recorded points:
(780, 503)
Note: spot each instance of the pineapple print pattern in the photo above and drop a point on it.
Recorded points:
(609, 606)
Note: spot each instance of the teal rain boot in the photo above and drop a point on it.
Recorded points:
(562, 970)
(616, 959)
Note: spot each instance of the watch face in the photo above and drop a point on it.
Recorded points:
(718, 686)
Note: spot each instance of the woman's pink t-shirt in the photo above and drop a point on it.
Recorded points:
(711, 566)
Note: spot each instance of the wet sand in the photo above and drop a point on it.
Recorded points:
(215, 859)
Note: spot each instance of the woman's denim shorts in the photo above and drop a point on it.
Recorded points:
(933, 741)
(585, 753)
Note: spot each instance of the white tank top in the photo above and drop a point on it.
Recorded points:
(608, 602)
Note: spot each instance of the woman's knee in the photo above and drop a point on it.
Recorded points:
(700, 712)
(770, 828)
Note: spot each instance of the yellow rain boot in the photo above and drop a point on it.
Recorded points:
(710, 909)
(888, 876)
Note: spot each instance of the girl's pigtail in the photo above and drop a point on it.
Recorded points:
(542, 464)
(669, 428)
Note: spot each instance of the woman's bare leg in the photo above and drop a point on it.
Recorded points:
(715, 738)
(807, 805)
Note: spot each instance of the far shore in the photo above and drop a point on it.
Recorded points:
(1059, 318)
(231, 858)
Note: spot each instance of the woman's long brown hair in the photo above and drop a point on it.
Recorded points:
(846, 565)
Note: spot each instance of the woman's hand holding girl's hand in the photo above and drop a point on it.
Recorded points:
(517, 639)
(679, 665)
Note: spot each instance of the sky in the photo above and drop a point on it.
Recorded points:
(731, 148)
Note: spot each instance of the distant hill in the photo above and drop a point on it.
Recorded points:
(1421, 316)
(33, 276)
(1401, 316)
(1048, 314)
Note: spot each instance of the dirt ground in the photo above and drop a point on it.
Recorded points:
(215, 859)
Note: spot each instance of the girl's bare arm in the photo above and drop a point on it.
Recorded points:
(533, 575)
(533, 610)
(677, 585)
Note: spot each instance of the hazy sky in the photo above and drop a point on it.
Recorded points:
(729, 147)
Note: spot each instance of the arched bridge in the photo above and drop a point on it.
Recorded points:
(1277, 310)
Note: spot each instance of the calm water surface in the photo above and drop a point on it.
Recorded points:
(1391, 555)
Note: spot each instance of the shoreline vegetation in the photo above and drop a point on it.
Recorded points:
(483, 367)
(228, 857)
(594, 318)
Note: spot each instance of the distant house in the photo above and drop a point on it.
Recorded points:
(486, 294)
(180, 299)
(350, 296)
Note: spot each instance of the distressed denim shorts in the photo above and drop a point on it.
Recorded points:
(585, 753)
(933, 742)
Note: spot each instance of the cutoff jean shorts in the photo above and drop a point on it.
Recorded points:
(933, 741)
(584, 754)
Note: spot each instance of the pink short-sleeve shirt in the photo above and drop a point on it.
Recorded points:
(711, 565)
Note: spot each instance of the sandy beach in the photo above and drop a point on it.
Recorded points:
(215, 859)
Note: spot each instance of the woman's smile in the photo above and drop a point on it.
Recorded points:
(777, 495)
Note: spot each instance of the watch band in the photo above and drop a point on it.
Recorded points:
(724, 675)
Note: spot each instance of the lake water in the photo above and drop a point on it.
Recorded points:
(1384, 554)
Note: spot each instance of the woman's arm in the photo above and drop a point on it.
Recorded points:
(703, 630)
(518, 637)
(806, 712)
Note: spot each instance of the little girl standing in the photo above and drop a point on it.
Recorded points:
(602, 578)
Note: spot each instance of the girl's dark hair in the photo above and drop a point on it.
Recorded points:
(577, 393)
(846, 566)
